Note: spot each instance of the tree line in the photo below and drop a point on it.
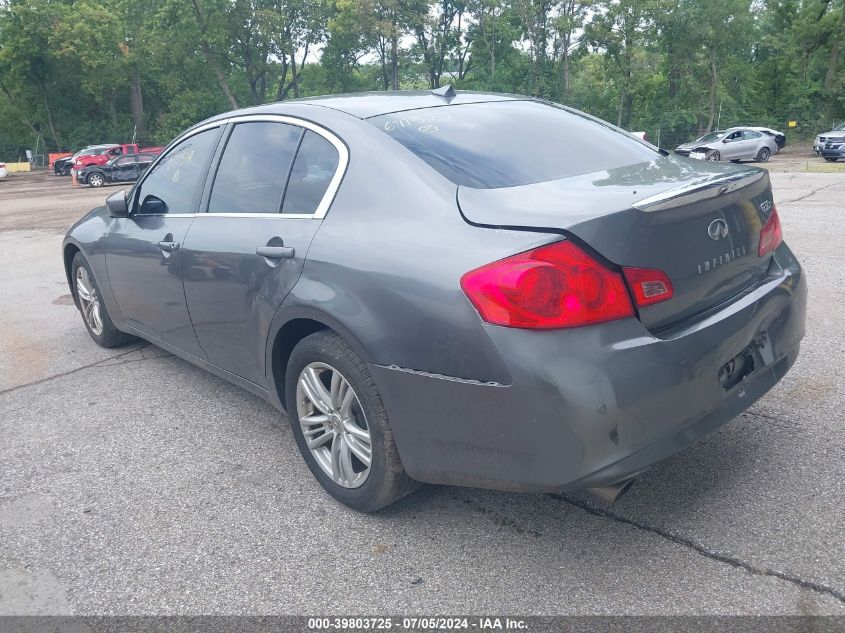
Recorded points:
(74, 72)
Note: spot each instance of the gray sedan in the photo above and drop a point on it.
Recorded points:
(734, 144)
(456, 288)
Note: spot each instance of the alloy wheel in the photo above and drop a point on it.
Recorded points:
(333, 424)
(89, 301)
(96, 180)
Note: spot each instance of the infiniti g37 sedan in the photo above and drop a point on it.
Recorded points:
(457, 288)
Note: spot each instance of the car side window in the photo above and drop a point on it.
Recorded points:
(126, 160)
(172, 184)
(313, 170)
(751, 134)
(734, 136)
(255, 165)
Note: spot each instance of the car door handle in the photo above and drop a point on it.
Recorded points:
(275, 252)
(169, 246)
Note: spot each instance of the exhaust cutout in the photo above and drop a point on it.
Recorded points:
(611, 494)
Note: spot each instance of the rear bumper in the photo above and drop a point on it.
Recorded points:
(591, 406)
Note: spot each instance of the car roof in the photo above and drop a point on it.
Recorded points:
(369, 104)
(364, 105)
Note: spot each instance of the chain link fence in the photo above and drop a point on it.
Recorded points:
(682, 127)
(37, 154)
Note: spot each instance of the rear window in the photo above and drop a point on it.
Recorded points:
(504, 144)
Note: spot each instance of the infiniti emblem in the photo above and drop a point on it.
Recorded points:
(717, 229)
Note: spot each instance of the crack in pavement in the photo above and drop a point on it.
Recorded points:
(108, 362)
(72, 371)
(771, 419)
(703, 551)
(812, 193)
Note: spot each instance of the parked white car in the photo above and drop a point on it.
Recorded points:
(3, 171)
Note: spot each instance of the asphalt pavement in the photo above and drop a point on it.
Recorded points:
(134, 483)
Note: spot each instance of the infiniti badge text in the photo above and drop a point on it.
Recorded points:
(724, 258)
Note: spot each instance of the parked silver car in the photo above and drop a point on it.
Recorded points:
(780, 137)
(834, 136)
(735, 144)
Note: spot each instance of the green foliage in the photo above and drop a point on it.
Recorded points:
(74, 72)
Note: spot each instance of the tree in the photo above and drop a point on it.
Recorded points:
(568, 25)
(31, 70)
(618, 28)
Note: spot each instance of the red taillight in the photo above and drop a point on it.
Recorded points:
(648, 285)
(554, 286)
(771, 236)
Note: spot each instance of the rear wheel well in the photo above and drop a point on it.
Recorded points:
(70, 252)
(287, 338)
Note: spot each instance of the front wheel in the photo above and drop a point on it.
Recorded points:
(714, 156)
(89, 300)
(341, 426)
(96, 180)
(764, 154)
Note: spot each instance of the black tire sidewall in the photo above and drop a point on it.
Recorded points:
(328, 348)
(111, 336)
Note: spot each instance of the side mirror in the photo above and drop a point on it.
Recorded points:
(153, 205)
(117, 205)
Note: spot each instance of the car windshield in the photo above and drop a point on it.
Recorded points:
(510, 143)
(713, 136)
(840, 127)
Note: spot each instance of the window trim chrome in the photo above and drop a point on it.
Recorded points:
(331, 191)
(334, 184)
(139, 183)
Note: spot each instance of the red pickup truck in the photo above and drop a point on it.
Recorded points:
(117, 150)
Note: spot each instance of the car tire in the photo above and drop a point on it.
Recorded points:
(764, 154)
(714, 156)
(333, 455)
(95, 316)
(96, 180)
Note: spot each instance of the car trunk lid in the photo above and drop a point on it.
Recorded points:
(700, 223)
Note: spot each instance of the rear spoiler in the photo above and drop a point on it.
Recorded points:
(711, 188)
